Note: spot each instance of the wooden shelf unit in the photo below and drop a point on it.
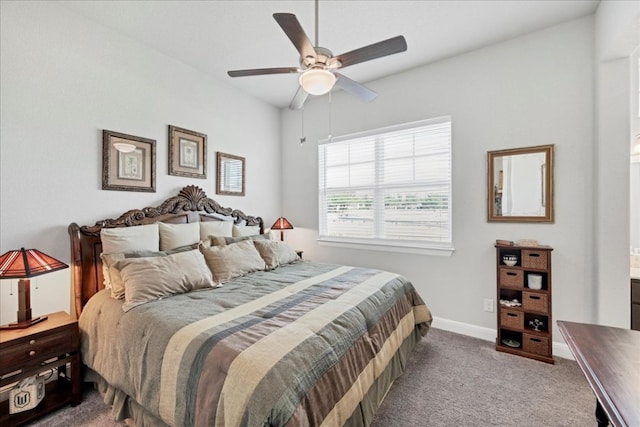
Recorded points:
(516, 323)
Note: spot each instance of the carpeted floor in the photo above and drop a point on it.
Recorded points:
(450, 380)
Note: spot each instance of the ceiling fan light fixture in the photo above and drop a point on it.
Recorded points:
(317, 81)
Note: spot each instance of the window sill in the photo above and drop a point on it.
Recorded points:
(387, 247)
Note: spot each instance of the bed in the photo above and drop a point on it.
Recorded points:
(294, 343)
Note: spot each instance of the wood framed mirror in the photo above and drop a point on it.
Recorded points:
(520, 184)
(231, 175)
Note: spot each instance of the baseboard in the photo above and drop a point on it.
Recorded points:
(489, 334)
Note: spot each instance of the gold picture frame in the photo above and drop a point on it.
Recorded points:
(231, 175)
(520, 184)
(187, 153)
(128, 162)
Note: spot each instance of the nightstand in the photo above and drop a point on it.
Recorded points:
(54, 343)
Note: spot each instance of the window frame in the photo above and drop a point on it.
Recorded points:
(444, 248)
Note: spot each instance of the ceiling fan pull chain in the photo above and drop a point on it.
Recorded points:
(330, 136)
(303, 138)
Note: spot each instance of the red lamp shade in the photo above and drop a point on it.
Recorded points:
(22, 264)
(282, 224)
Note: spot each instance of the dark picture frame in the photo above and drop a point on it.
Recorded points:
(187, 153)
(128, 162)
(231, 176)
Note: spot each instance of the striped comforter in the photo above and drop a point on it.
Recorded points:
(302, 345)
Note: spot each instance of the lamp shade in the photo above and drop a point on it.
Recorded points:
(25, 263)
(282, 224)
(317, 82)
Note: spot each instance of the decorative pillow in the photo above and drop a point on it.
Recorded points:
(218, 216)
(275, 253)
(245, 230)
(175, 235)
(112, 278)
(151, 279)
(222, 241)
(130, 239)
(218, 228)
(227, 262)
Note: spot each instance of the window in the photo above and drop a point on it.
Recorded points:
(389, 187)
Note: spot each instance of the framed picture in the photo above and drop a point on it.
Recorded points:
(187, 153)
(128, 162)
(231, 175)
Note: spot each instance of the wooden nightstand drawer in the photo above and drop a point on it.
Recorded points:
(38, 347)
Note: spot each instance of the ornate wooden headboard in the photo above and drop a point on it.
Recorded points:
(190, 205)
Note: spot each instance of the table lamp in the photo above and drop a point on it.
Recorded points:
(23, 264)
(282, 224)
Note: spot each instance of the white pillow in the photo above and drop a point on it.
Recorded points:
(175, 235)
(237, 259)
(130, 239)
(151, 279)
(215, 228)
(275, 253)
(245, 230)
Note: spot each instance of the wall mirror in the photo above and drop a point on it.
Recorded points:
(521, 184)
(231, 175)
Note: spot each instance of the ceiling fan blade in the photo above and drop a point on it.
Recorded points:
(298, 99)
(376, 50)
(259, 71)
(355, 88)
(292, 28)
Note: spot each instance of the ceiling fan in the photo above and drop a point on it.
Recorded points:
(318, 66)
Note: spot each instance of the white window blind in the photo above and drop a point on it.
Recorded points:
(389, 186)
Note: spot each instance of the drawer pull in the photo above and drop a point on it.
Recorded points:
(32, 353)
(511, 273)
(534, 255)
(536, 340)
(32, 342)
(512, 315)
(534, 297)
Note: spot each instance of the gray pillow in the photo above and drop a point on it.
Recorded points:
(151, 279)
(227, 262)
(275, 253)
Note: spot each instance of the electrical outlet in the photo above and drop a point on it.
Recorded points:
(488, 305)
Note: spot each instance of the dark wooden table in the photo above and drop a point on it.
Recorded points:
(610, 360)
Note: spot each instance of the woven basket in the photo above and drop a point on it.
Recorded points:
(535, 344)
(535, 302)
(512, 319)
(511, 278)
(534, 259)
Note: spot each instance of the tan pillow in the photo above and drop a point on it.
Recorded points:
(245, 230)
(222, 241)
(227, 262)
(112, 278)
(175, 235)
(275, 253)
(217, 228)
(151, 279)
(130, 239)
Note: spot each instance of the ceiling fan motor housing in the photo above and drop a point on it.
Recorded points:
(323, 60)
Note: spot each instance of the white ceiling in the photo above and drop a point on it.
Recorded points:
(217, 36)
